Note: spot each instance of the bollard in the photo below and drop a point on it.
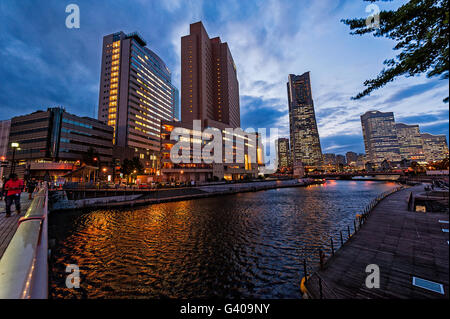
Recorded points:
(342, 240)
(348, 230)
(332, 246)
(305, 271)
(321, 259)
(320, 288)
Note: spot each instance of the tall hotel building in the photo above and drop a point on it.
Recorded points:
(209, 94)
(380, 137)
(136, 93)
(209, 84)
(305, 142)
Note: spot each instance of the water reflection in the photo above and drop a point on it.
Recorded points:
(247, 245)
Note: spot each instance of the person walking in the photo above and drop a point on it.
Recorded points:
(2, 188)
(31, 185)
(13, 188)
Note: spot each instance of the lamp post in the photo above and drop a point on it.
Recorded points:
(14, 146)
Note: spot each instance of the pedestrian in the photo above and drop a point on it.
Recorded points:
(2, 187)
(13, 187)
(31, 185)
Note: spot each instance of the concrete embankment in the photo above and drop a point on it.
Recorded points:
(60, 201)
(408, 248)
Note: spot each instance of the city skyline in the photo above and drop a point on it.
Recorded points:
(262, 69)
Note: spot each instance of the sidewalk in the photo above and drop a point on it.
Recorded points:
(8, 226)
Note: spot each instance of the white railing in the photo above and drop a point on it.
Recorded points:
(24, 265)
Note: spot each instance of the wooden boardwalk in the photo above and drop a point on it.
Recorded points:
(403, 244)
(8, 226)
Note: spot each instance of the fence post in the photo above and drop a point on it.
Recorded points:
(348, 229)
(321, 258)
(304, 270)
(354, 226)
(332, 246)
(342, 240)
(320, 288)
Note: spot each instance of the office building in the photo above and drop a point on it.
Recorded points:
(136, 94)
(410, 142)
(305, 142)
(435, 147)
(54, 140)
(380, 137)
(283, 153)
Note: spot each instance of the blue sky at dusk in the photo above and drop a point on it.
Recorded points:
(44, 64)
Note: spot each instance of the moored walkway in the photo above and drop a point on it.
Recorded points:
(8, 226)
(402, 243)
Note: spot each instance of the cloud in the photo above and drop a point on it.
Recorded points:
(268, 40)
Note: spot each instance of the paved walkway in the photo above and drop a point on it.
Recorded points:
(8, 226)
(403, 244)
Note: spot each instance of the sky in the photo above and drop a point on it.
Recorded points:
(45, 64)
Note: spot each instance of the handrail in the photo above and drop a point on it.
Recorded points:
(24, 267)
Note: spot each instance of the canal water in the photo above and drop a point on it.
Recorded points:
(249, 245)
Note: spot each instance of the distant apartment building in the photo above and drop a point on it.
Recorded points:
(4, 141)
(329, 159)
(340, 159)
(410, 142)
(435, 147)
(304, 135)
(57, 139)
(136, 94)
(283, 153)
(380, 137)
(351, 158)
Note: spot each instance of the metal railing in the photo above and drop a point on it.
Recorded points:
(24, 265)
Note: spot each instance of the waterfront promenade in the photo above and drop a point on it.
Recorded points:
(404, 244)
(8, 226)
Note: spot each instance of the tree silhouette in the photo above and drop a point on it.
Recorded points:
(420, 28)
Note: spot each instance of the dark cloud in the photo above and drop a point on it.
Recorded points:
(414, 90)
(341, 144)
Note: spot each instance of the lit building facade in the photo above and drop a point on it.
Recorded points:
(380, 137)
(136, 94)
(410, 142)
(283, 153)
(305, 142)
(54, 140)
(435, 147)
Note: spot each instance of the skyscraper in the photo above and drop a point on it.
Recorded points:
(305, 142)
(435, 147)
(136, 93)
(209, 84)
(380, 137)
(283, 153)
(410, 142)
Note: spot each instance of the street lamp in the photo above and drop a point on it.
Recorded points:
(14, 146)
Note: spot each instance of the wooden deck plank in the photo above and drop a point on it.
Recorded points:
(8, 226)
(403, 244)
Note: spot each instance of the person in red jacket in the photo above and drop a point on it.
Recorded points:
(13, 188)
